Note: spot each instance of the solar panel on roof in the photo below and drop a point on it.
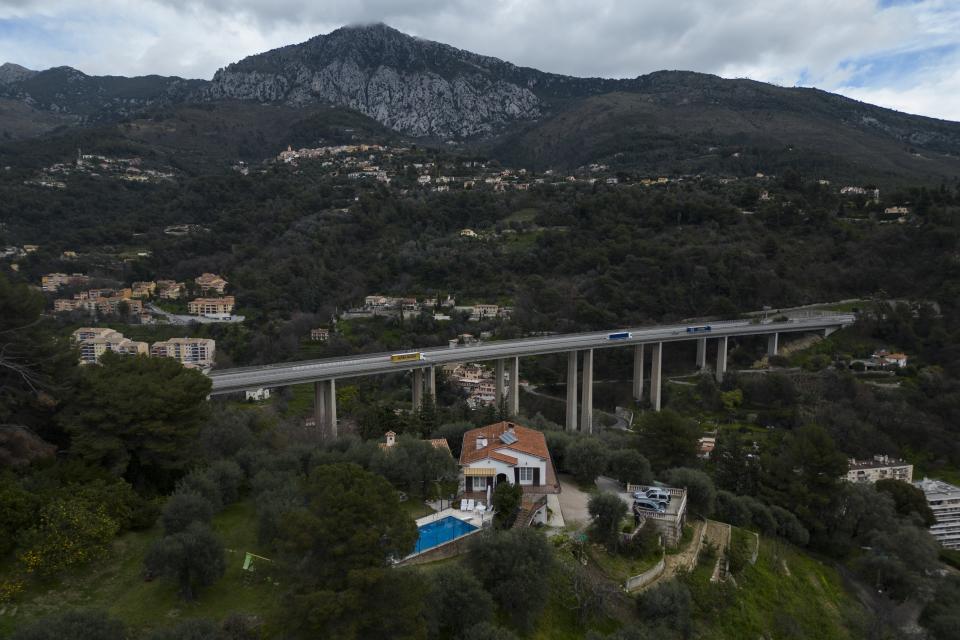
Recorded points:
(508, 437)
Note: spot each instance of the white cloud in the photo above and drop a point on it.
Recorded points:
(824, 43)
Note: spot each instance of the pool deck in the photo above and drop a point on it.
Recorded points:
(470, 517)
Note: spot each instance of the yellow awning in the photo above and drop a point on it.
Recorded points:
(480, 472)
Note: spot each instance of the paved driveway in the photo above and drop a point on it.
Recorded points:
(573, 503)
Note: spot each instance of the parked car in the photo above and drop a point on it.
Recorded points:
(650, 505)
(660, 495)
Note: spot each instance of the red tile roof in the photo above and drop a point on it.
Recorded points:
(529, 441)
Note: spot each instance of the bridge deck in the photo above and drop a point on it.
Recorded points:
(275, 375)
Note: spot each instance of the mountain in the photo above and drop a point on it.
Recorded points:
(65, 90)
(10, 72)
(667, 121)
(415, 86)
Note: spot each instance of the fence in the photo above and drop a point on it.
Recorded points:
(640, 581)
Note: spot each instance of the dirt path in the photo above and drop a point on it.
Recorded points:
(686, 559)
(718, 534)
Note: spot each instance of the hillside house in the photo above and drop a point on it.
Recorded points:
(507, 452)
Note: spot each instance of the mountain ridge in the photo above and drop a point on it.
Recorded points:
(436, 92)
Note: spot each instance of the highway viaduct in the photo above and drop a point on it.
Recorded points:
(647, 344)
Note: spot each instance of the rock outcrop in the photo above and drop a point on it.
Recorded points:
(414, 86)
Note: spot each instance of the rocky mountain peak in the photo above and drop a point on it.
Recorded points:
(10, 72)
(409, 84)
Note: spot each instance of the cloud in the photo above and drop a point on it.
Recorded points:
(902, 53)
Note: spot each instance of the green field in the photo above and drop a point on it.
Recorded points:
(786, 594)
(117, 586)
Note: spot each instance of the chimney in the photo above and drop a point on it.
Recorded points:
(481, 441)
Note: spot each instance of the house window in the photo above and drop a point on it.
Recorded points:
(526, 475)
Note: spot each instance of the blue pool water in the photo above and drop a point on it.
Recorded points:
(436, 533)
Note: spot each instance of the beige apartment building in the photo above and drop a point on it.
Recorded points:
(169, 289)
(53, 281)
(211, 306)
(190, 352)
(880, 468)
(211, 282)
(143, 289)
(95, 341)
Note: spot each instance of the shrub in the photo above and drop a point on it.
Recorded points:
(190, 629)
(194, 557)
(228, 478)
(731, 509)
(201, 484)
(75, 625)
(488, 631)
(668, 603)
(513, 566)
(608, 511)
(701, 494)
(789, 526)
(507, 499)
(454, 590)
(182, 510)
(586, 458)
(629, 467)
(69, 533)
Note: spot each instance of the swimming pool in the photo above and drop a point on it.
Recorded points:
(433, 534)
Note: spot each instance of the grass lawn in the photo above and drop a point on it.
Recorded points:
(787, 594)
(301, 401)
(415, 508)
(116, 584)
(619, 567)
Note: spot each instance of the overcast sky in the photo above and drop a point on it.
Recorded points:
(903, 54)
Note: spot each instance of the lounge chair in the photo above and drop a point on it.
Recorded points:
(466, 505)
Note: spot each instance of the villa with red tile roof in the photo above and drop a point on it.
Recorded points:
(507, 452)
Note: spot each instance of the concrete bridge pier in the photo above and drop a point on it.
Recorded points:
(773, 344)
(571, 391)
(513, 397)
(721, 358)
(432, 383)
(701, 353)
(656, 376)
(586, 400)
(498, 382)
(417, 389)
(638, 357)
(325, 406)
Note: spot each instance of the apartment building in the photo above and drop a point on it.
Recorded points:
(143, 289)
(53, 281)
(95, 341)
(483, 311)
(211, 282)
(190, 352)
(211, 306)
(944, 501)
(880, 468)
(319, 334)
(100, 301)
(169, 289)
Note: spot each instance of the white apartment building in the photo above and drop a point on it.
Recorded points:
(944, 501)
(880, 468)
